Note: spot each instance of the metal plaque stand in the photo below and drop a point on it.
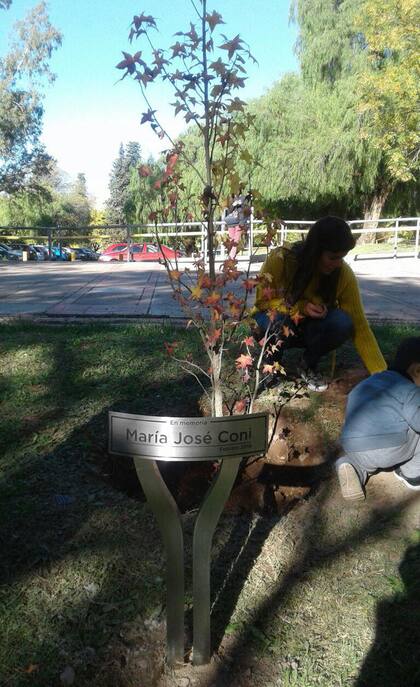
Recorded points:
(228, 440)
(169, 520)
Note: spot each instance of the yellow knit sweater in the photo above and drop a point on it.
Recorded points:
(281, 265)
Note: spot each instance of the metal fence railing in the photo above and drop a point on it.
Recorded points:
(394, 237)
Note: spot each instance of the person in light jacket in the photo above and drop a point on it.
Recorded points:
(382, 425)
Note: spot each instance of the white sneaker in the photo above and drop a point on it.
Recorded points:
(349, 481)
(410, 482)
(313, 380)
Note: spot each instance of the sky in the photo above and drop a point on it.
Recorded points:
(88, 113)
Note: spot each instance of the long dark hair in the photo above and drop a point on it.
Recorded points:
(329, 233)
(408, 352)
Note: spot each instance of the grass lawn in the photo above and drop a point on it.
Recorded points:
(82, 565)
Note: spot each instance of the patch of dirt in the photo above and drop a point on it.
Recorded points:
(298, 458)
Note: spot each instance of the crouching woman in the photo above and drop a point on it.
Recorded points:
(309, 298)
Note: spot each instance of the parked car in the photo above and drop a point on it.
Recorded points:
(139, 252)
(6, 254)
(63, 255)
(42, 252)
(28, 247)
(85, 253)
(114, 247)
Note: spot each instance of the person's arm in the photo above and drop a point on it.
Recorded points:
(274, 265)
(349, 300)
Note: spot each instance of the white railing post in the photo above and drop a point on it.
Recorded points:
(203, 244)
(282, 227)
(251, 234)
(397, 225)
(416, 245)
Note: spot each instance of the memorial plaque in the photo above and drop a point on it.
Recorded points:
(188, 438)
(147, 438)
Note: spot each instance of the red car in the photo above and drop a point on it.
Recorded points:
(139, 251)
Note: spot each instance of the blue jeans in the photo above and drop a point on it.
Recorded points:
(316, 337)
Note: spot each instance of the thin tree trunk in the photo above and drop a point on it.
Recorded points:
(372, 212)
(217, 393)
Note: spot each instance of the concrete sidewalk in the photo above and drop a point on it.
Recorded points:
(390, 289)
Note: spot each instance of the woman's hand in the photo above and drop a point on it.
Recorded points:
(317, 311)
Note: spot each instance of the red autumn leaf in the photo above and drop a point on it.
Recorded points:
(214, 19)
(216, 312)
(212, 299)
(297, 317)
(157, 184)
(287, 331)
(171, 160)
(127, 63)
(152, 216)
(249, 341)
(214, 336)
(144, 171)
(32, 668)
(250, 284)
(175, 274)
(178, 49)
(243, 361)
(147, 116)
(140, 19)
(240, 406)
(205, 282)
(267, 369)
(236, 105)
(232, 46)
(170, 347)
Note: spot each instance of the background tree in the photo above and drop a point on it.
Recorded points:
(143, 191)
(390, 83)
(119, 204)
(23, 72)
(337, 58)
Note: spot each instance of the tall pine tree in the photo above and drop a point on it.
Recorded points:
(119, 200)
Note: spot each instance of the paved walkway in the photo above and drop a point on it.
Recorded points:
(390, 289)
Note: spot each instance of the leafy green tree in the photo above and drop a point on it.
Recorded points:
(338, 49)
(62, 202)
(310, 159)
(23, 72)
(389, 83)
(119, 204)
(144, 192)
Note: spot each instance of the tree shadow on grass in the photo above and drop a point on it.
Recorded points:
(393, 659)
(310, 554)
(81, 564)
(248, 534)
